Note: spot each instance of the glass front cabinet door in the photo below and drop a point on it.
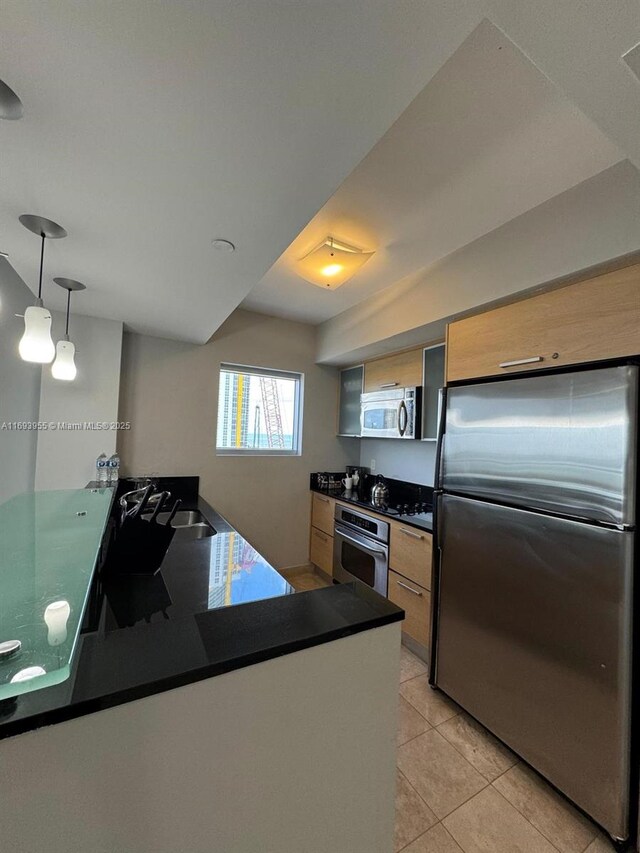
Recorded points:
(432, 384)
(351, 381)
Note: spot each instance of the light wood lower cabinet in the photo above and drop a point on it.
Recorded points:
(322, 510)
(410, 553)
(321, 551)
(416, 603)
(592, 320)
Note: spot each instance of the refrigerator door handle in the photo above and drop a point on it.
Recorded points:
(435, 587)
(442, 425)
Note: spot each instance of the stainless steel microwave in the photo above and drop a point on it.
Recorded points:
(394, 413)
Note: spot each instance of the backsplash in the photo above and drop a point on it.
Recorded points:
(413, 461)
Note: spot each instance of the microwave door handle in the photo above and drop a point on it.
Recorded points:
(360, 543)
(402, 422)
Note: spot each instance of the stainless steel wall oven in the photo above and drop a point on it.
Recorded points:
(360, 548)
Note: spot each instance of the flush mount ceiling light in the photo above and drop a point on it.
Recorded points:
(64, 367)
(10, 103)
(332, 263)
(36, 344)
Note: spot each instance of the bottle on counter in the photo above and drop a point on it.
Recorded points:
(114, 469)
(102, 470)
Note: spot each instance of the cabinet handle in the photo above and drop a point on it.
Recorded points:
(517, 361)
(410, 589)
(388, 384)
(324, 500)
(321, 535)
(410, 533)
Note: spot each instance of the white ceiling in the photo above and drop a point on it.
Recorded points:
(151, 128)
(486, 140)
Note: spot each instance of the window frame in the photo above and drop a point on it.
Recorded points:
(298, 405)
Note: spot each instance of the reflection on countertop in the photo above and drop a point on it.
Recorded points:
(203, 574)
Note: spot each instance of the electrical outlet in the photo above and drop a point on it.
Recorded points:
(372, 466)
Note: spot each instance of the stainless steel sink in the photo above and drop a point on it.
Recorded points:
(188, 524)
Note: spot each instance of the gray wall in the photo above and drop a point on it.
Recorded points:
(169, 392)
(19, 389)
(67, 458)
(413, 461)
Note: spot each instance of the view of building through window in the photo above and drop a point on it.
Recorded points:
(258, 410)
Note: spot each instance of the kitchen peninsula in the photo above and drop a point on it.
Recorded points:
(214, 668)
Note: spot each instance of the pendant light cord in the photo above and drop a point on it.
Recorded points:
(66, 330)
(41, 266)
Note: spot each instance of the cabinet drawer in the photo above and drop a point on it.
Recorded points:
(322, 509)
(321, 550)
(416, 603)
(410, 552)
(591, 320)
(402, 370)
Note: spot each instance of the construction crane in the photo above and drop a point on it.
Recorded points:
(247, 557)
(272, 415)
(256, 426)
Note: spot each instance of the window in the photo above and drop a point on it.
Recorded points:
(259, 411)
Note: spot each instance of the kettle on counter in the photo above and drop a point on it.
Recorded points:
(380, 493)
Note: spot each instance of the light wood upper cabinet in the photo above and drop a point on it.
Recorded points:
(402, 370)
(592, 320)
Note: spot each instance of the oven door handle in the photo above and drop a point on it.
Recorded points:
(358, 542)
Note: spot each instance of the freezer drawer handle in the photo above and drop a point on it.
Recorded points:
(404, 586)
(410, 533)
(389, 385)
(518, 361)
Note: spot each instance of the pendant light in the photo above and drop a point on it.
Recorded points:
(36, 344)
(64, 366)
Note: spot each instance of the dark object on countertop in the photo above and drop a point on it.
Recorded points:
(185, 488)
(141, 543)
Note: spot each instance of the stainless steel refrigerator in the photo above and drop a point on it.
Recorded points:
(533, 605)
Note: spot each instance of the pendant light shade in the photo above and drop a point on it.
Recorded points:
(64, 367)
(36, 344)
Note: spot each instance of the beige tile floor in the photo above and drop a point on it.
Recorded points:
(459, 790)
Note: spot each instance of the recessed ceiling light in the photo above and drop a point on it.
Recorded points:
(10, 103)
(223, 245)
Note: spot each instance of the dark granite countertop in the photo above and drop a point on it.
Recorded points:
(423, 520)
(147, 634)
